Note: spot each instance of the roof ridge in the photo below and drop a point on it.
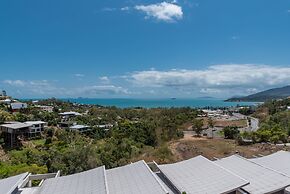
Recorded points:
(152, 174)
(105, 178)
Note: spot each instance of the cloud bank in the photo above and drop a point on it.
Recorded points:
(223, 80)
(246, 78)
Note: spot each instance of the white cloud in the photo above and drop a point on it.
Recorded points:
(125, 8)
(23, 83)
(38, 88)
(14, 82)
(102, 90)
(245, 78)
(104, 79)
(164, 11)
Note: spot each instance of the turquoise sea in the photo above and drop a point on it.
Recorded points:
(154, 103)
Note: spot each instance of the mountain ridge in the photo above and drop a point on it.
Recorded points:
(270, 94)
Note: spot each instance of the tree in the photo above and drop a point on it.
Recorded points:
(197, 125)
(210, 122)
(5, 116)
(231, 132)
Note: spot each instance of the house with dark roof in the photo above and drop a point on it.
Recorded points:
(14, 132)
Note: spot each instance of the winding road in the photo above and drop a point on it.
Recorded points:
(254, 126)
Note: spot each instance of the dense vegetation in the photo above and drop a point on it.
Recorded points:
(135, 131)
(275, 122)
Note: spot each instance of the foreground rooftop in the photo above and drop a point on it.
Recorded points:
(233, 174)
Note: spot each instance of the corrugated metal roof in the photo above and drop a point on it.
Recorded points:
(35, 122)
(8, 185)
(16, 125)
(279, 161)
(70, 113)
(200, 175)
(262, 179)
(79, 126)
(132, 179)
(88, 182)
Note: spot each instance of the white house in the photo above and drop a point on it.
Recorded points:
(16, 106)
(14, 131)
(45, 108)
(66, 116)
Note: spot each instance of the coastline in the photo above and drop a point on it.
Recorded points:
(156, 103)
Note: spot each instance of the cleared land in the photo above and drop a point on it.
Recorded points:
(189, 147)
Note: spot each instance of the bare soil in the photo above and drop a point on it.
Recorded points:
(189, 147)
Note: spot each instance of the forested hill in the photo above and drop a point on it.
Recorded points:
(275, 93)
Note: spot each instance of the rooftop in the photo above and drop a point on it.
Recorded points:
(263, 180)
(16, 125)
(279, 161)
(196, 175)
(8, 185)
(88, 182)
(134, 178)
(200, 175)
(79, 127)
(70, 113)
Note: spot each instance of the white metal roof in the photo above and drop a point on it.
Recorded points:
(16, 125)
(262, 179)
(35, 122)
(279, 161)
(70, 113)
(134, 178)
(30, 190)
(88, 182)
(8, 185)
(79, 127)
(200, 175)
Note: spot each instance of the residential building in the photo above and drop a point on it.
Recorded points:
(17, 106)
(80, 128)
(15, 132)
(6, 101)
(67, 116)
(45, 108)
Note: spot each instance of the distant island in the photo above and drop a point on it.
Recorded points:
(271, 94)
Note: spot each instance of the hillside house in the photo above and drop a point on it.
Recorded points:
(14, 132)
(80, 128)
(17, 106)
(67, 116)
(45, 108)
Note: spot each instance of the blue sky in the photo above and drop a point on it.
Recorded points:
(114, 48)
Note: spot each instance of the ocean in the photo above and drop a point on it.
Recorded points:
(154, 103)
